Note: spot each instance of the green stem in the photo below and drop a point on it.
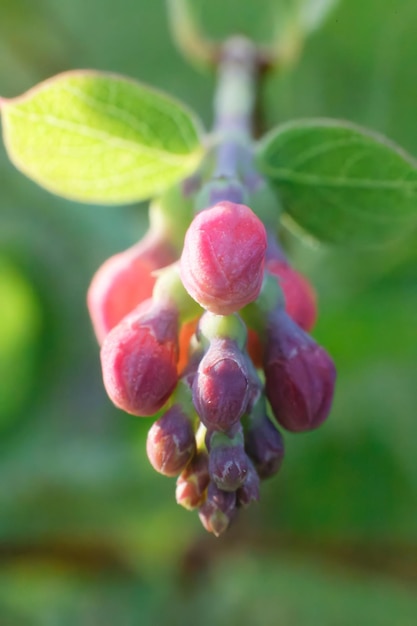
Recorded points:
(234, 106)
(235, 97)
(234, 175)
(229, 165)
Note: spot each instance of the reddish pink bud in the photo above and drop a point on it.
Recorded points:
(171, 442)
(124, 281)
(223, 257)
(299, 295)
(221, 387)
(299, 375)
(193, 482)
(139, 359)
(218, 510)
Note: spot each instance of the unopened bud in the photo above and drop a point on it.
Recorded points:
(218, 510)
(223, 257)
(299, 375)
(221, 387)
(228, 462)
(299, 295)
(139, 359)
(124, 281)
(264, 445)
(193, 482)
(249, 491)
(171, 442)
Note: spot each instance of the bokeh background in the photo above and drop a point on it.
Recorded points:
(89, 534)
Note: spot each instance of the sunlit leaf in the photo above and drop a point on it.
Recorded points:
(100, 138)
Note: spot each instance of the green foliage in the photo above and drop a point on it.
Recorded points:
(340, 183)
(255, 588)
(20, 326)
(100, 138)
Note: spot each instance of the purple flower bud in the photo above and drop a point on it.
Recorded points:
(228, 463)
(193, 482)
(221, 387)
(300, 375)
(218, 510)
(190, 370)
(171, 442)
(264, 445)
(249, 492)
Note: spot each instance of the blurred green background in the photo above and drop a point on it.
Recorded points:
(89, 534)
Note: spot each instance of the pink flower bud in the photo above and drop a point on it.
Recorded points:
(299, 295)
(124, 281)
(223, 257)
(299, 375)
(171, 442)
(221, 387)
(139, 359)
(193, 482)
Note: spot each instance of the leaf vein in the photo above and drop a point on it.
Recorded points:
(286, 175)
(105, 137)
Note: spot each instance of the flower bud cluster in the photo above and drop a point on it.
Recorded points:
(211, 339)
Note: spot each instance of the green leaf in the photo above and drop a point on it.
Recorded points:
(100, 138)
(340, 183)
